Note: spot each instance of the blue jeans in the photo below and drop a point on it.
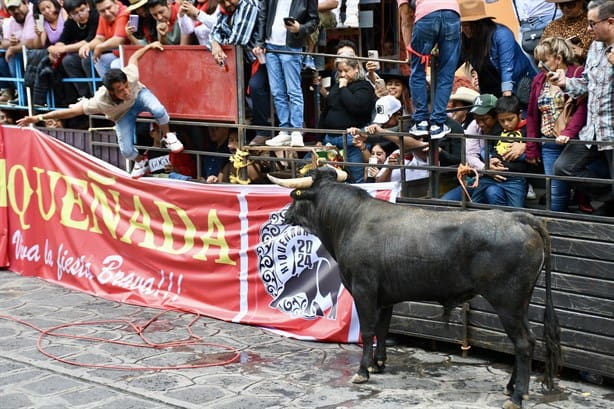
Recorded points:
(559, 189)
(8, 69)
(440, 27)
(285, 81)
(106, 62)
(353, 154)
(125, 128)
(511, 192)
(578, 160)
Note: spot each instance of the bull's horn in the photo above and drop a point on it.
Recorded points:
(341, 175)
(295, 183)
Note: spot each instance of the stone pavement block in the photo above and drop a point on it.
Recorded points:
(88, 396)
(16, 400)
(199, 395)
(50, 385)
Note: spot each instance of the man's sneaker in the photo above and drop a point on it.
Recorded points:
(420, 129)
(282, 139)
(309, 63)
(439, 131)
(531, 193)
(296, 139)
(141, 168)
(172, 142)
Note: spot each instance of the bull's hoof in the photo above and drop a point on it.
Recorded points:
(377, 368)
(511, 405)
(525, 396)
(358, 378)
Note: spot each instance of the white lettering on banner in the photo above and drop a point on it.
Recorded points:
(112, 274)
(75, 266)
(23, 251)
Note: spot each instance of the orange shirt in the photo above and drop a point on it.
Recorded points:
(118, 27)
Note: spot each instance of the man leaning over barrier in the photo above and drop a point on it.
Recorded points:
(121, 98)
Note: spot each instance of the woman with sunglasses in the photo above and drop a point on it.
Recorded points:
(571, 26)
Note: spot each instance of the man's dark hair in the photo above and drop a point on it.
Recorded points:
(113, 76)
(100, 1)
(347, 43)
(508, 104)
(153, 3)
(70, 5)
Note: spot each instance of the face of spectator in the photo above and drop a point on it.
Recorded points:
(572, 8)
(395, 88)
(552, 61)
(229, 5)
(218, 134)
(347, 71)
(233, 142)
(466, 29)
(108, 10)
(460, 115)
(160, 13)
(508, 120)
(80, 14)
(19, 13)
(48, 10)
(603, 29)
(120, 91)
(379, 153)
(485, 122)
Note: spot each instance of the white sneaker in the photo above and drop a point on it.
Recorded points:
(296, 139)
(172, 142)
(282, 139)
(420, 129)
(531, 193)
(141, 168)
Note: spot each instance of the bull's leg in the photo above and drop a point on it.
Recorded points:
(367, 315)
(381, 331)
(516, 326)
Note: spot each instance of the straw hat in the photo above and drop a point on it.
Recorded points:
(472, 10)
(464, 94)
(135, 4)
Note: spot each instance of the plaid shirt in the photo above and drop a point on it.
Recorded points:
(598, 82)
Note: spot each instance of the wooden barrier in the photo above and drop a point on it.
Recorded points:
(189, 83)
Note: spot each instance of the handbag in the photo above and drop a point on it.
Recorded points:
(566, 113)
(530, 39)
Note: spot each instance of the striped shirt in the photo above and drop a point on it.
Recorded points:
(598, 82)
(236, 29)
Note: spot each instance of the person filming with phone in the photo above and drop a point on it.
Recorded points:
(571, 26)
(283, 25)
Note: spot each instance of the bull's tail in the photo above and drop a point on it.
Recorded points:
(552, 331)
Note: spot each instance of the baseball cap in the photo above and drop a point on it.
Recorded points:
(483, 104)
(385, 107)
(12, 3)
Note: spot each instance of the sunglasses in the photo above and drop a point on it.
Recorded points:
(569, 4)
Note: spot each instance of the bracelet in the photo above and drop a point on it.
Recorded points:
(40, 118)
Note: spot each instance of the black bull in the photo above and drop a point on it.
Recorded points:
(388, 253)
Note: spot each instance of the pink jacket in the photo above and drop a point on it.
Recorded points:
(576, 122)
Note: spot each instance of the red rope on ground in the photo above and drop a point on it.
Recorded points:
(191, 340)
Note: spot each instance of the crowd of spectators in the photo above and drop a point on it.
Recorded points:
(485, 82)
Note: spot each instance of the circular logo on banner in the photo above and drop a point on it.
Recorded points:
(297, 271)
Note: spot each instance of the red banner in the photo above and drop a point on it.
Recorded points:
(218, 250)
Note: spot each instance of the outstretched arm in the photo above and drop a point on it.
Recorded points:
(72, 112)
(134, 59)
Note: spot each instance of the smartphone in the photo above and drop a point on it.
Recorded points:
(289, 21)
(544, 66)
(133, 20)
(40, 21)
(374, 54)
(575, 40)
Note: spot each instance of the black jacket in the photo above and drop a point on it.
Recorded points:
(348, 106)
(304, 11)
